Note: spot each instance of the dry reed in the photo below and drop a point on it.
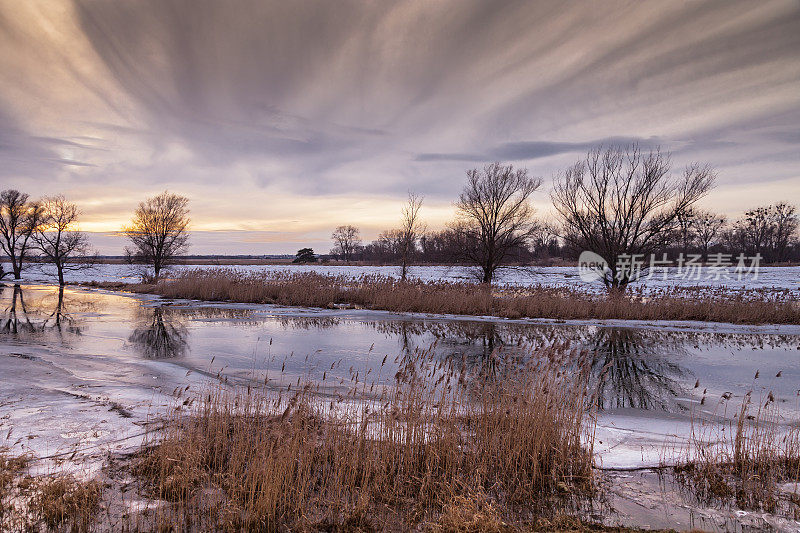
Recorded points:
(63, 502)
(401, 454)
(11, 468)
(54, 503)
(375, 292)
(744, 460)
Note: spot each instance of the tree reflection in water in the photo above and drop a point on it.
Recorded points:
(60, 319)
(636, 368)
(160, 334)
(485, 347)
(16, 318)
(630, 367)
(41, 315)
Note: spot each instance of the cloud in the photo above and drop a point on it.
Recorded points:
(530, 150)
(24, 155)
(536, 150)
(450, 157)
(265, 102)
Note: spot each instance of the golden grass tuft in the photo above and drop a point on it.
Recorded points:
(470, 514)
(11, 468)
(53, 503)
(62, 501)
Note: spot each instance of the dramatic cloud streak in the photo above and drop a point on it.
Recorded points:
(287, 118)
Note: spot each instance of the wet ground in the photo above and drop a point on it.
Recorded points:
(85, 372)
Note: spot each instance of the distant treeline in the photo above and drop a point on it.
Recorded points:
(770, 231)
(618, 202)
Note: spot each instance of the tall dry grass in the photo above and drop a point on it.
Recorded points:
(745, 460)
(57, 502)
(376, 292)
(11, 468)
(397, 456)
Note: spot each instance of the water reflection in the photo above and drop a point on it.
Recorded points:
(631, 367)
(51, 313)
(636, 368)
(15, 316)
(160, 333)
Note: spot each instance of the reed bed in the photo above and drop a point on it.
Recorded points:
(745, 461)
(10, 469)
(384, 293)
(57, 502)
(436, 448)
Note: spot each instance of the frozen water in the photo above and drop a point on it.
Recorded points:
(87, 371)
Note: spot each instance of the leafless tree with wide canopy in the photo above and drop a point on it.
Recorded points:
(159, 231)
(18, 221)
(347, 240)
(56, 238)
(707, 226)
(620, 202)
(495, 215)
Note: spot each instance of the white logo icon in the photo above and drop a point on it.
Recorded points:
(592, 267)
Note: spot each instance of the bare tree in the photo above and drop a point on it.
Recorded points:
(410, 229)
(56, 238)
(785, 220)
(620, 203)
(386, 248)
(707, 226)
(686, 229)
(544, 240)
(347, 240)
(495, 215)
(159, 230)
(18, 221)
(768, 230)
(755, 229)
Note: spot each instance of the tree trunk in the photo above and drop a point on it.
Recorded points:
(16, 266)
(615, 285)
(487, 274)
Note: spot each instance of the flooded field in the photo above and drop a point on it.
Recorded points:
(86, 372)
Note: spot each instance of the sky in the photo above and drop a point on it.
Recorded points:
(282, 120)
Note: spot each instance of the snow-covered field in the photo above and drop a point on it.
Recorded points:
(767, 277)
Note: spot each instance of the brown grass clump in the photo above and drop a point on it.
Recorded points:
(64, 502)
(409, 453)
(57, 502)
(375, 292)
(470, 515)
(746, 463)
(11, 468)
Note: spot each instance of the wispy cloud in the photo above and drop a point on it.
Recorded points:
(266, 104)
(531, 150)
